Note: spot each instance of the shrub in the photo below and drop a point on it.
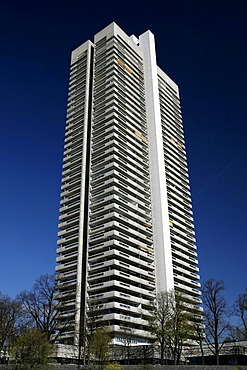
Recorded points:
(113, 367)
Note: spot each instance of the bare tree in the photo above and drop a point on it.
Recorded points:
(216, 315)
(90, 324)
(171, 324)
(40, 305)
(10, 314)
(240, 310)
(161, 313)
(200, 333)
(180, 327)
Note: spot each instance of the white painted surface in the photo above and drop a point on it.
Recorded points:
(161, 232)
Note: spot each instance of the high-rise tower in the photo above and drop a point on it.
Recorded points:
(126, 226)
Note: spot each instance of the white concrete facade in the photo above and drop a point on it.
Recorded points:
(160, 216)
(126, 230)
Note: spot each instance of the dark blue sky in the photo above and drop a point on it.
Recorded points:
(201, 45)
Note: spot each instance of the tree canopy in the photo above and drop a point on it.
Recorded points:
(32, 349)
(10, 316)
(171, 324)
(40, 305)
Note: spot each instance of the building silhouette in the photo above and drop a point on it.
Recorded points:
(126, 228)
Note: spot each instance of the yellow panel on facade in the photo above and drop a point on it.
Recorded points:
(120, 62)
(128, 69)
(141, 137)
(124, 66)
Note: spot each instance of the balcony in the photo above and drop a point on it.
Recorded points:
(123, 297)
(187, 290)
(121, 287)
(121, 259)
(128, 276)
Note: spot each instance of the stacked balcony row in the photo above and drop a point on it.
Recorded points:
(184, 256)
(68, 234)
(120, 254)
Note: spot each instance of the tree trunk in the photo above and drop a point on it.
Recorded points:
(217, 358)
(162, 351)
(202, 353)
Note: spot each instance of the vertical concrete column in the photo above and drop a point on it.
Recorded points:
(161, 232)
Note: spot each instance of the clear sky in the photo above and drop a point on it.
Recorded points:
(201, 45)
